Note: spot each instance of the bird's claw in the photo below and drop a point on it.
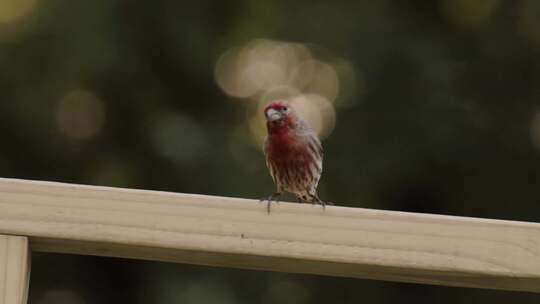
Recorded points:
(317, 201)
(269, 200)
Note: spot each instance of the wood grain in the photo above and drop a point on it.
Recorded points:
(14, 269)
(234, 232)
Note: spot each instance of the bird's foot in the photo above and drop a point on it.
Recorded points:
(270, 199)
(315, 200)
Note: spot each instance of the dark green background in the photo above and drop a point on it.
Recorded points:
(442, 125)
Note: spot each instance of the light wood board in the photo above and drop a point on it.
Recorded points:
(14, 269)
(234, 232)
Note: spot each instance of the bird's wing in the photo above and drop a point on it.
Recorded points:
(315, 146)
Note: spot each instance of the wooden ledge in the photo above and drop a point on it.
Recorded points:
(235, 232)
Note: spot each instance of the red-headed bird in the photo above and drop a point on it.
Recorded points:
(294, 154)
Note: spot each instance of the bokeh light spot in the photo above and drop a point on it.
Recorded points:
(265, 64)
(227, 75)
(80, 114)
(14, 10)
(318, 111)
(278, 92)
(469, 14)
(266, 70)
(323, 80)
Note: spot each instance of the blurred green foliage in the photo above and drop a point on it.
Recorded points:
(443, 118)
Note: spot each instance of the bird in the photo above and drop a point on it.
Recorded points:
(294, 154)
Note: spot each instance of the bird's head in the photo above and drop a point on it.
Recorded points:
(277, 111)
(279, 115)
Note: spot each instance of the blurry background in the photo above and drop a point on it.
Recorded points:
(424, 106)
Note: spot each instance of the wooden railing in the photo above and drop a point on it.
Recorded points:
(235, 232)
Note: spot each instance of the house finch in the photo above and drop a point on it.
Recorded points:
(293, 154)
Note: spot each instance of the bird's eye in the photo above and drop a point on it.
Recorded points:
(284, 109)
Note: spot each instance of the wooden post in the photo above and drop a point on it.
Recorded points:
(14, 269)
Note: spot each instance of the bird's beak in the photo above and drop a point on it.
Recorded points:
(272, 115)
